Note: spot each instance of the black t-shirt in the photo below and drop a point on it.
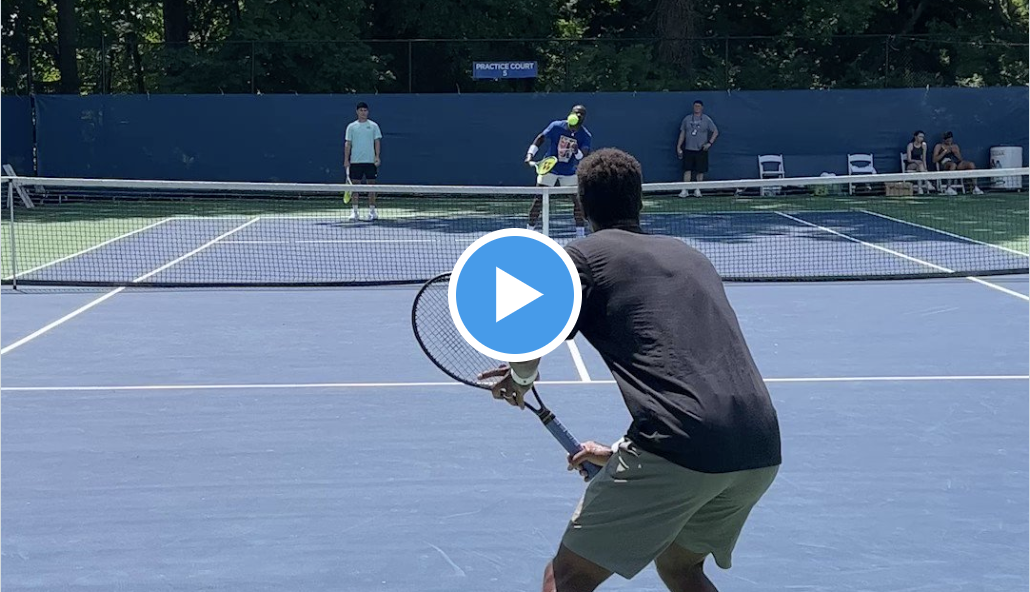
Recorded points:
(656, 310)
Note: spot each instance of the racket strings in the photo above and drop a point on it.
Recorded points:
(442, 341)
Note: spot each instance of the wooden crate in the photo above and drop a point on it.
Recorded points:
(899, 189)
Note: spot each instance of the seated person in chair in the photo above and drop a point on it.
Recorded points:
(915, 153)
(948, 157)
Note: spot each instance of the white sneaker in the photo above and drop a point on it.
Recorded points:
(950, 191)
(531, 227)
(977, 190)
(697, 193)
(353, 216)
(684, 193)
(373, 215)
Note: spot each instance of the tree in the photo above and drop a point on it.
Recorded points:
(308, 46)
(176, 21)
(67, 47)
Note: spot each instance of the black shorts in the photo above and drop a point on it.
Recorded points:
(695, 161)
(363, 170)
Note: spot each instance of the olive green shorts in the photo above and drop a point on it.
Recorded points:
(640, 503)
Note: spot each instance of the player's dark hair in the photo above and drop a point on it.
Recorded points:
(610, 187)
(361, 105)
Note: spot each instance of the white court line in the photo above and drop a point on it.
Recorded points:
(87, 250)
(904, 256)
(59, 321)
(347, 385)
(577, 359)
(944, 232)
(999, 288)
(97, 301)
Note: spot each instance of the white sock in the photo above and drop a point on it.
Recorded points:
(372, 209)
(530, 226)
(581, 232)
(355, 208)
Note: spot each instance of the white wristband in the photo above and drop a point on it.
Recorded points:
(524, 381)
(579, 155)
(533, 148)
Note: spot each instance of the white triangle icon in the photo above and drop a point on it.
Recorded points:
(512, 294)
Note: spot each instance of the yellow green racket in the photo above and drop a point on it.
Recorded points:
(347, 194)
(544, 166)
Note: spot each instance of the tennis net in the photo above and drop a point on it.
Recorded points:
(81, 232)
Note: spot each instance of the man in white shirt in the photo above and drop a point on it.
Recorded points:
(361, 156)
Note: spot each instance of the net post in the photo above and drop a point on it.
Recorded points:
(14, 259)
(545, 210)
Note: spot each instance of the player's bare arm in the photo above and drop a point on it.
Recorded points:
(711, 140)
(534, 147)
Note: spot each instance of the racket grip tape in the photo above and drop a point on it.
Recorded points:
(569, 443)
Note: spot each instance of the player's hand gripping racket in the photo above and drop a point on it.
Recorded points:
(445, 347)
(544, 166)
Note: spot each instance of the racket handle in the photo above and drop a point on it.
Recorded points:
(569, 443)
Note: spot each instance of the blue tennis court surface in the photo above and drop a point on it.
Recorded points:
(298, 440)
(325, 248)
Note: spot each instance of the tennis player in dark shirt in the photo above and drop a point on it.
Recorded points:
(704, 442)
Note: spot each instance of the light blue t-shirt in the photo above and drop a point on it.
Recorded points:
(565, 143)
(362, 137)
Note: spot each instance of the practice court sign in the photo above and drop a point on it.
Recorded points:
(497, 70)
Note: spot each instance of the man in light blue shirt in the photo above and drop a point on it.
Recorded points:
(361, 156)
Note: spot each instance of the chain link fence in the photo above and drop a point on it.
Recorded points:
(582, 65)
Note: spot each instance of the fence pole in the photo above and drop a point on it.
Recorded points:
(726, 60)
(253, 82)
(565, 79)
(411, 67)
(14, 260)
(28, 65)
(886, 60)
(103, 63)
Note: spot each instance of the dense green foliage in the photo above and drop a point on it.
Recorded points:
(317, 46)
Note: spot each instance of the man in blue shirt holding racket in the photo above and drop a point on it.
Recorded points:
(568, 142)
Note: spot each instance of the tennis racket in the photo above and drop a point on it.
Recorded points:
(447, 349)
(347, 194)
(544, 166)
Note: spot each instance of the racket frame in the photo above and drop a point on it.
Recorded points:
(545, 415)
(544, 166)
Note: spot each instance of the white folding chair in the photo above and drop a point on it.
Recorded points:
(859, 164)
(770, 166)
(904, 169)
(25, 199)
(949, 186)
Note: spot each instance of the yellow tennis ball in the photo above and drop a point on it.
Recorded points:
(572, 119)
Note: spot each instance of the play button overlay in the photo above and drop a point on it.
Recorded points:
(514, 295)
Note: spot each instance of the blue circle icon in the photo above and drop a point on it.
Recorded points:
(514, 295)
